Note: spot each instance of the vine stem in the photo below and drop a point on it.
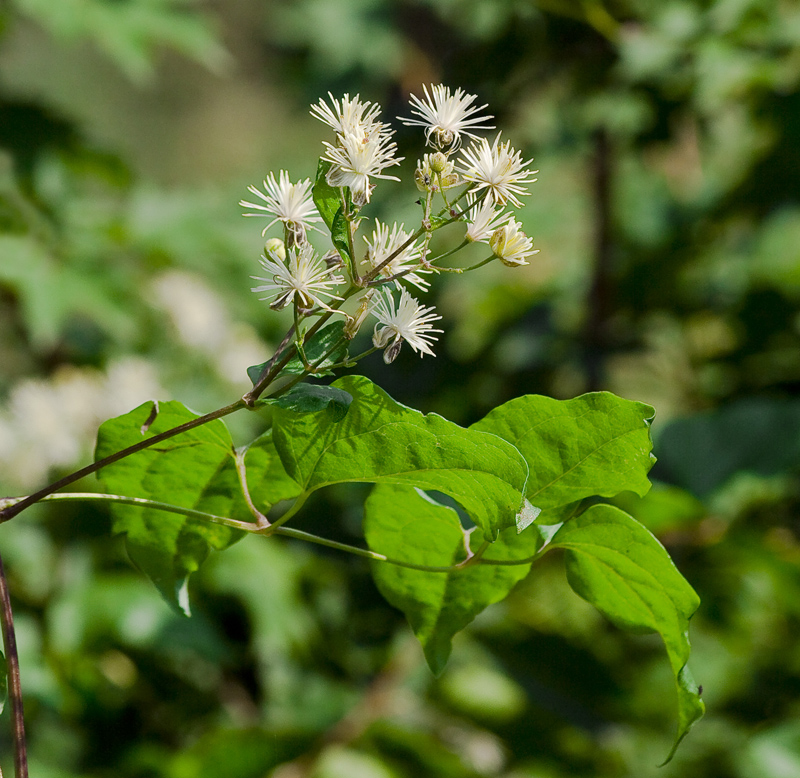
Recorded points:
(14, 684)
(276, 529)
(18, 506)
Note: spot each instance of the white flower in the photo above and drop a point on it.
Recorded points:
(289, 203)
(384, 243)
(446, 116)
(408, 321)
(485, 220)
(425, 176)
(352, 117)
(511, 246)
(498, 168)
(305, 279)
(355, 159)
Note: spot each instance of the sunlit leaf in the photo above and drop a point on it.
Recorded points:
(197, 470)
(614, 563)
(381, 441)
(595, 444)
(406, 524)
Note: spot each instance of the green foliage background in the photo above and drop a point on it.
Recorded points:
(668, 218)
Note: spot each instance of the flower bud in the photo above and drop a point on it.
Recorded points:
(276, 248)
(497, 241)
(392, 350)
(452, 180)
(354, 322)
(511, 245)
(438, 162)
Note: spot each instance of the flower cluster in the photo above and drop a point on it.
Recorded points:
(477, 185)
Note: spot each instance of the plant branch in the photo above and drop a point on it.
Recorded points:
(20, 505)
(276, 529)
(270, 370)
(143, 502)
(14, 685)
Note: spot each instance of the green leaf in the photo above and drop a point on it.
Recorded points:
(406, 524)
(315, 349)
(311, 398)
(267, 481)
(340, 232)
(197, 470)
(614, 563)
(329, 204)
(595, 444)
(50, 293)
(379, 440)
(326, 197)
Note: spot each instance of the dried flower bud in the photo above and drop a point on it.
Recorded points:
(295, 235)
(333, 260)
(276, 248)
(391, 351)
(497, 241)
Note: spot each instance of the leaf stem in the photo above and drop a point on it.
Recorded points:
(270, 370)
(276, 529)
(14, 683)
(11, 510)
(142, 502)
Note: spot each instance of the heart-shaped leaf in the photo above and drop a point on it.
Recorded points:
(198, 469)
(381, 441)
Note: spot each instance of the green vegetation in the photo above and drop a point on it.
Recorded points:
(666, 214)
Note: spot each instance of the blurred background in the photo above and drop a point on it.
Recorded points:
(667, 212)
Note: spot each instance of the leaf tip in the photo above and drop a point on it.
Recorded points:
(436, 655)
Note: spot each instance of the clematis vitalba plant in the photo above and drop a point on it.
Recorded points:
(531, 476)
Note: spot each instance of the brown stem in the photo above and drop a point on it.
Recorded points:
(268, 367)
(12, 510)
(14, 685)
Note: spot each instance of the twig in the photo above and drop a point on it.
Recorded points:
(17, 507)
(14, 685)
